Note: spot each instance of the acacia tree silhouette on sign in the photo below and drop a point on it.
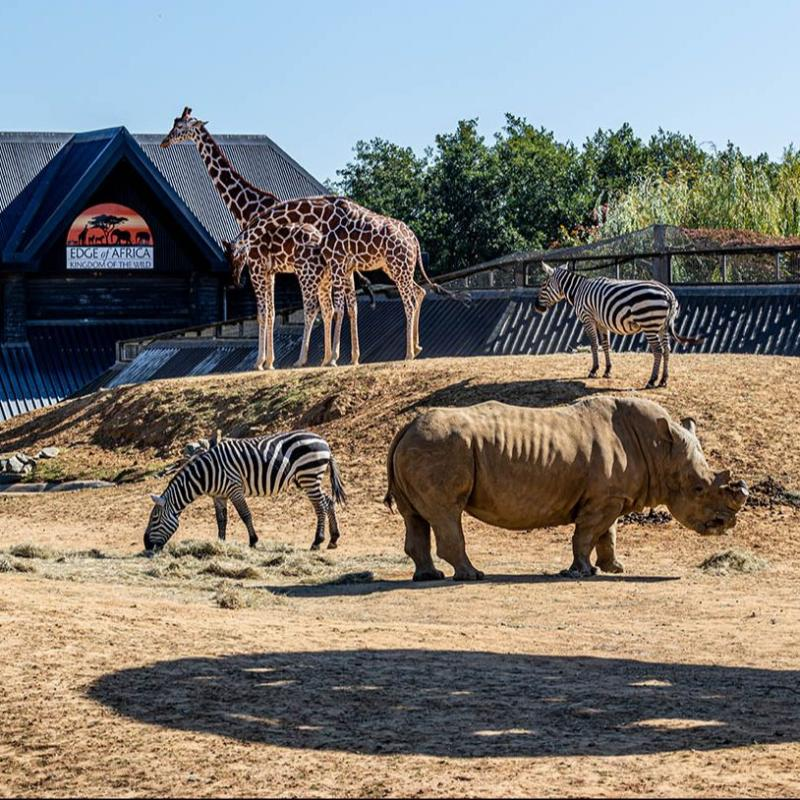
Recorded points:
(106, 223)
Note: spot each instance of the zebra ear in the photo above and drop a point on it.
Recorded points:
(158, 500)
(548, 270)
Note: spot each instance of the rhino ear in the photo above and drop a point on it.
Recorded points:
(664, 428)
(723, 478)
(690, 425)
(158, 500)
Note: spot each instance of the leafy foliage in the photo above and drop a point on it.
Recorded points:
(470, 201)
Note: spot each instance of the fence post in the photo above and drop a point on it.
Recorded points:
(616, 269)
(661, 267)
(724, 267)
(777, 266)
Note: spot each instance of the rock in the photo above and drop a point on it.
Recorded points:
(23, 488)
(15, 465)
(48, 452)
(72, 486)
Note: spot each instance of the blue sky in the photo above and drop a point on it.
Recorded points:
(317, 76)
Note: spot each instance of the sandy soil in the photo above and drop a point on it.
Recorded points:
(121, 676)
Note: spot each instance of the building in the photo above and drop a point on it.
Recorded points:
(105, 235)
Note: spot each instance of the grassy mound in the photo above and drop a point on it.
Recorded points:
(729, 561)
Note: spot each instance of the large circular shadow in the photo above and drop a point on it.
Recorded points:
(463, 704)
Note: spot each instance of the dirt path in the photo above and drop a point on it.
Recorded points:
(120, 679)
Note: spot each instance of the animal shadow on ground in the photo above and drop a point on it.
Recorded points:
(367, 586)
(536, 394)
(460, 703)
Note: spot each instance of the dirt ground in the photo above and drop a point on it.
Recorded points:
(333, 674)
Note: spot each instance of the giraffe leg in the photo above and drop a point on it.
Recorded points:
(308, 278)
(339, 306)
(352, 311)
(269, 327)
(262, 332)
(326, 306)
(591, 332)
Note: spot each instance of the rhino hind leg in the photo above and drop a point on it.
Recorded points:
(607, 552)
(451, 547)
(418, 548)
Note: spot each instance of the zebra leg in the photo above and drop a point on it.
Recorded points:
(664, 338)
(333, 523)
(591, 332)
(605, 343)
(312, 486)
(221, 511)
(655, 347)
(240, 504)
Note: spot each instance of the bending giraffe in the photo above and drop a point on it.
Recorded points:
(246, 201)
(352, 238)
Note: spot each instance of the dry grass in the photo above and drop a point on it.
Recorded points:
(197, 548)
(234, 596)
(733, 560)
(30, 550)
(234, 571)
(13, 565)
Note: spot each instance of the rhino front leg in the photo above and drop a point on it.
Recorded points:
(418, 548)
(607, 551)
(450, 546)
(590, 525)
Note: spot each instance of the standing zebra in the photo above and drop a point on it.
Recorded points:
(622, 307)
(260, 466)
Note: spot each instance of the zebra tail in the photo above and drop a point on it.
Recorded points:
(685, 339)
(462, 297)
(337, 487)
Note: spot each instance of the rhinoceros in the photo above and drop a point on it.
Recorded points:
(521, 468)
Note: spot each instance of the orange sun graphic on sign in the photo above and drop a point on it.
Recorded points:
(109, 225)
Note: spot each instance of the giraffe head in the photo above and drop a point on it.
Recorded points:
(269, 246)
(186, 128)
(551, 291)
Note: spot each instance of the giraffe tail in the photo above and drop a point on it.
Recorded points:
(368, 286)
(462, 297)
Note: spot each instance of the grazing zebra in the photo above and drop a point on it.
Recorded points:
(234, 468)
(622, 307)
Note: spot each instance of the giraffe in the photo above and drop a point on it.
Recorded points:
(289, 247)
(246, 202)
(350, 238)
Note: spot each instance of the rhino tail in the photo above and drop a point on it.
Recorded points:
(391, 490)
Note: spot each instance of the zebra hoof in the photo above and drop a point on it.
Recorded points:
(592, 374)
(650, 385)
(315, 546)
(332, 545)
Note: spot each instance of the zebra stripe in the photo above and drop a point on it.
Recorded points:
(604, 306)
(260, 466)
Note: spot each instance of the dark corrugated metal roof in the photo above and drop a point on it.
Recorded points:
(58, 361)
(23, 156)
(753, 319)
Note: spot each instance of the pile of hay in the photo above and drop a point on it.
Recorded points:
(728, 561)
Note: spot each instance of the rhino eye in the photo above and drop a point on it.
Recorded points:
(699, 489)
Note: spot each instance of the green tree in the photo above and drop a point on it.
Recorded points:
(613, 160)
(543, 183)
(386, 178)
(465, 223)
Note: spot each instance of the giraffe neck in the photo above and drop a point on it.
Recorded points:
(244, 200)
